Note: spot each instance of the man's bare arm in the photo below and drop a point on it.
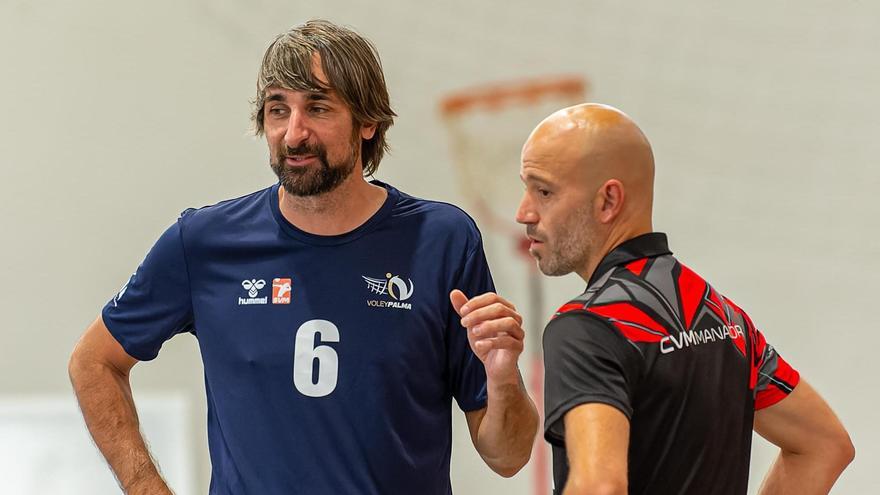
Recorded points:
(504, 431)
(99, 372)
(815, 447)
(596, 441)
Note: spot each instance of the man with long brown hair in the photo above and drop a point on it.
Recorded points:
(332, 312)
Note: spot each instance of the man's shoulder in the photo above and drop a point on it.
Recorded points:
(443, 217)
(632, 299)
(575, 330)
(223, 212)
(647, 299)
(577, 314)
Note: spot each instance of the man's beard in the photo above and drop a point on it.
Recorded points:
(571, 246)
(312, 180)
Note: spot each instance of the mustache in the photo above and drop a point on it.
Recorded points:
(317, 150)
(304, 149)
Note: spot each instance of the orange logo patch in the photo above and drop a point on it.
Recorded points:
(281, 289)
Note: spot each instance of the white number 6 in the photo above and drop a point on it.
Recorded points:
(305, 353)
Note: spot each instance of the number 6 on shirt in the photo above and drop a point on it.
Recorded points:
(305, 352)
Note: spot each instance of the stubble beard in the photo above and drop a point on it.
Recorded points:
(571, 248)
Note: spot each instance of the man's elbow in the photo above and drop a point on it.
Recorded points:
(842, 451)
(511, 466)
(83, 364)
(75, 365)
(832, 451)
(507, 472)
(510, 471)
(836, 448)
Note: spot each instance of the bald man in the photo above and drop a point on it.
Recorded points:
(654, 380)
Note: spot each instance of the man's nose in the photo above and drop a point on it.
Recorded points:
(297, 130)
(525, 214)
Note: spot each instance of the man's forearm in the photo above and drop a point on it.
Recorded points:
(804, 474)
(104, 396)
(508, 429)
(604, 487)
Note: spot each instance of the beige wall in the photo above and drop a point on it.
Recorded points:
(116, 116)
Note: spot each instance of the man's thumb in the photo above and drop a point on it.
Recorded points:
(458, 300)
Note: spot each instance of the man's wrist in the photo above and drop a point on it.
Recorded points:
(510, 383)
(147, 484)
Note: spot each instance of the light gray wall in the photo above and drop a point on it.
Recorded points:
(116, 116)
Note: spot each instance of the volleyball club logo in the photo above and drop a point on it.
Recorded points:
(393, 286)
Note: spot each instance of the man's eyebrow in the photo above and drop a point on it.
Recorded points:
(318, 96)
(312, 96)
(530, 177)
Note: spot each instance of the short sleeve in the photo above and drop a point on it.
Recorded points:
(776, 378)
(585, 361)
(466, 371)
(155, 304)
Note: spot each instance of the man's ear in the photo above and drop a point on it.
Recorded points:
(609, 201)
(368, 131)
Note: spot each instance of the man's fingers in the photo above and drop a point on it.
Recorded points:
(493, 328)
(486, 299)
(500, 342)
(458, 299)
(493, 311)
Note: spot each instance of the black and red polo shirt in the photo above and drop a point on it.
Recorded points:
(681, 361)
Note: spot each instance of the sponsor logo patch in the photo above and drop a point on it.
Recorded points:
(253, 287)
(281, 290)
(691, 338)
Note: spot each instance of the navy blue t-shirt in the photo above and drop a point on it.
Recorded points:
(330, 361)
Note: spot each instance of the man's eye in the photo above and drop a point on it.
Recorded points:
(544, 193)
(319, 109)
(277, 111)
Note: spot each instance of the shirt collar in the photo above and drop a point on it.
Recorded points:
(643, 246)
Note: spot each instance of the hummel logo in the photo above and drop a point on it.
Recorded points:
(253, 287)
(121, 292)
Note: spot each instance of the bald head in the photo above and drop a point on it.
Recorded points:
(591, 144)
(589, 177)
